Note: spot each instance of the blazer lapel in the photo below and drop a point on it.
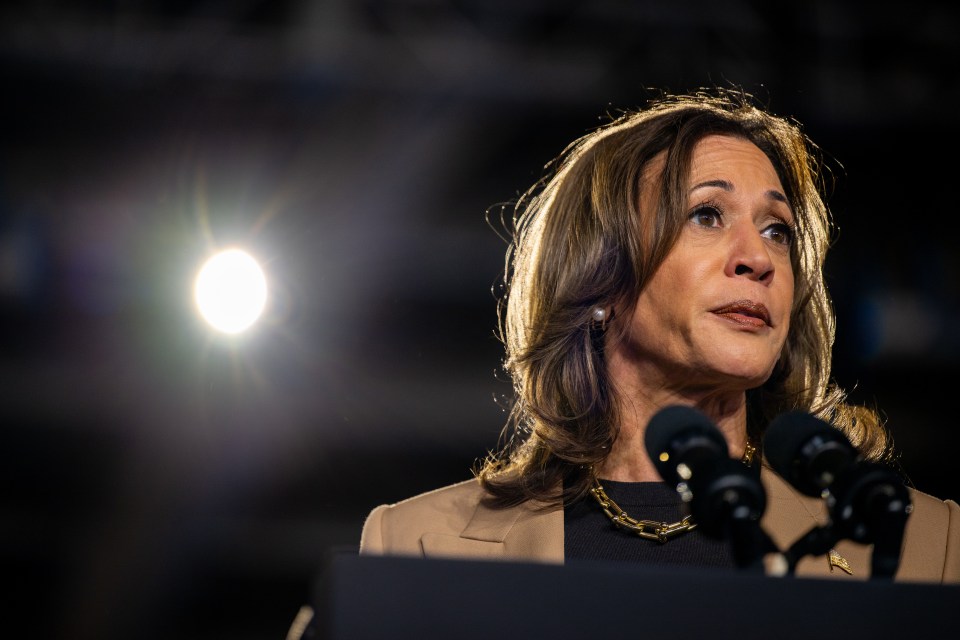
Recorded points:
(525, 533)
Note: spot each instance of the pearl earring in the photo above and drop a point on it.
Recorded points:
(599, 315)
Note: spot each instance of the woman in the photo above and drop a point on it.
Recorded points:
(673, 258)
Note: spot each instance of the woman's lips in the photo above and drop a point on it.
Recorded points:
(745, 312)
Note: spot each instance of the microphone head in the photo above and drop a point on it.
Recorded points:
(723, 492)
(679, 435)
(806, 451)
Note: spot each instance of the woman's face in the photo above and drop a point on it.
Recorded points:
(716, 312)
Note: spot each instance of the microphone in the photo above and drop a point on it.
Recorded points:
(679, 439)
(725, 498)
(867, 501)
(807, 452)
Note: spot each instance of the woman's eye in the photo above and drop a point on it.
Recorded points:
(706, 216)
(781, 233)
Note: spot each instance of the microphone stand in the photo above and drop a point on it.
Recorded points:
(749, 544)
(869, 503)
(886, 548)
(866, 504)
(727, 501)
(816, 542)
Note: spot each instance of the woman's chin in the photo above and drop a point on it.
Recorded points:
(743, 377)
(745, 369)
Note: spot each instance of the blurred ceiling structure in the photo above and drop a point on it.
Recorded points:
(881, 65)
(166, 482)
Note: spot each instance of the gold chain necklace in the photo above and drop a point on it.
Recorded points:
(653, 529)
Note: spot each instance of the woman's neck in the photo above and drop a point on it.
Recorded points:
(628, 460)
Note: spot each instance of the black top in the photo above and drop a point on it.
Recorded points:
(590, 535)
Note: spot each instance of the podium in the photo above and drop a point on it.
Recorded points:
(361, 597)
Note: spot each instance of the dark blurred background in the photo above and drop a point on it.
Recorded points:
(160, 481)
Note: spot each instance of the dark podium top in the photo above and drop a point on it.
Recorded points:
(389, 597)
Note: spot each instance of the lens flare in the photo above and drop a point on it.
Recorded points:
(231, 291)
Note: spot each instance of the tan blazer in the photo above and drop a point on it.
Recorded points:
(452, 523)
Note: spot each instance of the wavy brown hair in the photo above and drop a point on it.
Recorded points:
(580, 240)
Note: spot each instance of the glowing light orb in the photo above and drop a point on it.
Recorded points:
(230, 291)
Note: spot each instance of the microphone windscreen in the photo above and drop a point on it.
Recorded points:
(678, 434)
(806, 451)
(787, 434)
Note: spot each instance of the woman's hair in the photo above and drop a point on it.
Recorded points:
(581, 241)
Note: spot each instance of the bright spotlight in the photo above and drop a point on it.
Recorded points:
(230, 291)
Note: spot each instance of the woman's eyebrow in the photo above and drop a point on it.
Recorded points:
(722, 184)
(773, 194)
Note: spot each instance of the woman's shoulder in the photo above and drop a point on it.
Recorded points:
(934, 517)
(928, 500)
(928, 505)
(460, 498)
(397, 527)
(454, 522)
(932, 537)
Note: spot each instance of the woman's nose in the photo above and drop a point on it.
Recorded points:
(749, 255)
